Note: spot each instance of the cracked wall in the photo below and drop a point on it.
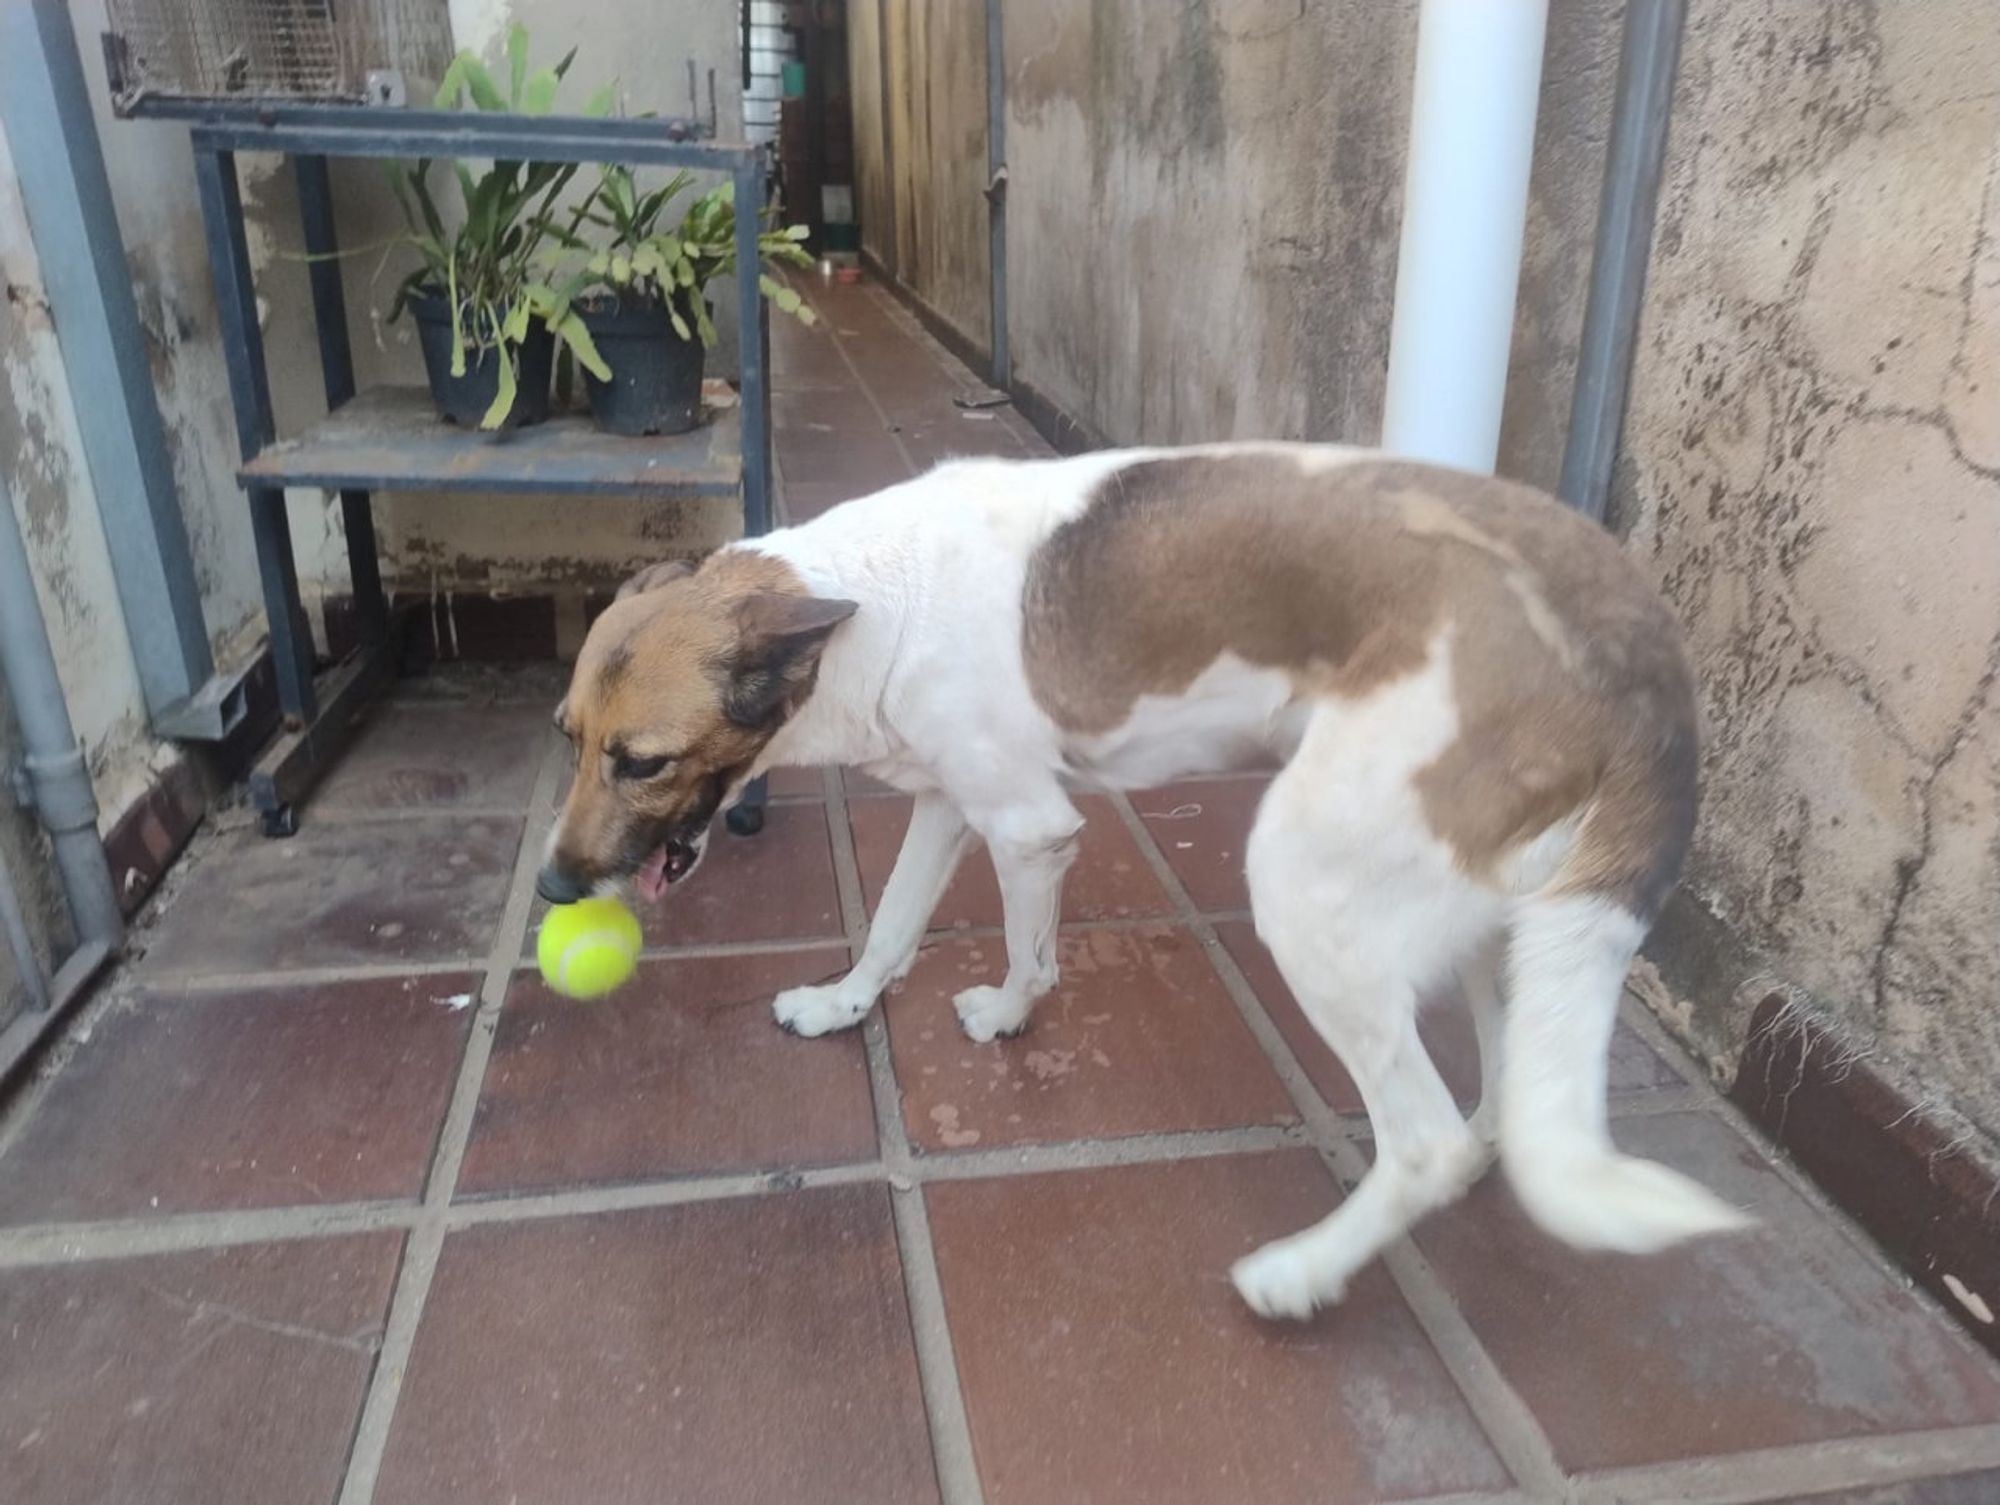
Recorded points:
(1811, 470)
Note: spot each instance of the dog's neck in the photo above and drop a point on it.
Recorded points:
(840, 722)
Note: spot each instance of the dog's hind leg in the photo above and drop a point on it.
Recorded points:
(1033, 842)
(1363, 909)
(932, 846)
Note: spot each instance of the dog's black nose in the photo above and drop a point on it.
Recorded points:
(557, 886)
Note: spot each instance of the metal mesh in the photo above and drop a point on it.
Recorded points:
(278, 49)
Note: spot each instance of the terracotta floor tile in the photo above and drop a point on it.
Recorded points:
(1139, 1037)
(1200, 828)
(426, 888)
(681, 1070)
(1785, 1335)
(1109, 880)
(1105, 1358)
(440, 757)
(746, 1350)
(1445, 1024)
(228, 1377)
(272, 1098)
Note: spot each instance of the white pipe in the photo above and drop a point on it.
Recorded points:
(1465, 206)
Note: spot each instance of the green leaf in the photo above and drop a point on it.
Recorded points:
(517, 60)
(480, 82)
(795, 232)
(600, 264)
(457, 323)
(540, 97)
(451, 85)
(704, 326)
(599, 104)
(621, 269)
(503, 398)
(563, 67)
(577, 337)
(680, 324)
(779, 294)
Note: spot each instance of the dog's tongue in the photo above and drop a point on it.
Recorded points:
(653, 876)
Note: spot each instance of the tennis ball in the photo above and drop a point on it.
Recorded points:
(588, 948)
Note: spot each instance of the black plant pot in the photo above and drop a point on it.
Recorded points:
(465, 399)
(655, 385)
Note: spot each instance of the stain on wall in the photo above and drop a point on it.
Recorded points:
(1204, 208)
(1812, 472)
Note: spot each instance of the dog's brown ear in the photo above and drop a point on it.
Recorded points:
(653, 576)
(778, 644)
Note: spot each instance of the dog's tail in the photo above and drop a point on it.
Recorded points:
(1567, 958)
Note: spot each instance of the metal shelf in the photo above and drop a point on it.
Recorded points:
(391, 439)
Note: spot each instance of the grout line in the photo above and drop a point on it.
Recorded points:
(1655, 1102)
(390, 815)
(1103, 1154)
(70, 1243)
(181, 983)
(426, 1241)
(1776, 1475)
(1515, 1434)
(582, 1202)
(74, 1243)
(923, 1289)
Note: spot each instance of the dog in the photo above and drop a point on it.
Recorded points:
(1486, 721)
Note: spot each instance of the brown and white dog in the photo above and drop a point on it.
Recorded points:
(1486, 718)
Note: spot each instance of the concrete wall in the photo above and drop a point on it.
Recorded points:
(1203, 211)
(1812, 472)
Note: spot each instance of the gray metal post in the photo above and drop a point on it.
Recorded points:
(336, 359)
(250, 393)
(1648, 57)
(45, 104)
(996, 191)
(57, 774)
(753, 340)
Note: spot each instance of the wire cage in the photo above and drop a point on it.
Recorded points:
(317, 51)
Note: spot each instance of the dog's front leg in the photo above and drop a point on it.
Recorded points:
(1031, 852)
(936, 839)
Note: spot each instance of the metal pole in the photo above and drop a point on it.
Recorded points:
(1465, 209)
(57, 774)
(336, 361)
(250, 393)
(53, 139)
(996, 191)
(1648, 57)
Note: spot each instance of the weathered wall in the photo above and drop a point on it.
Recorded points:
(1812, 471)
(1204, 202)
(922, 180)
(871, 162)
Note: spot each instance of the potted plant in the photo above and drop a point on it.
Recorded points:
(487, 326)
(646, 307)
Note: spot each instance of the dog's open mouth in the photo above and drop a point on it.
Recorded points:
(671, 861)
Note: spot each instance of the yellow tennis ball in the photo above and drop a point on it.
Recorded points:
(588, 948)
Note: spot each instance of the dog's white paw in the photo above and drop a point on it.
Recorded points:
(986, 1013)
(818, 1010)
(1278, 1282)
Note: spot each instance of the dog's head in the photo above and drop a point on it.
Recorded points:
(681, 684)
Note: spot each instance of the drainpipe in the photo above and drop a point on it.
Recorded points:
(1465, 207)
(1648, 56)
(58, 782)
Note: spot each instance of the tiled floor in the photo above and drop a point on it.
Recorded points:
(330, 1200)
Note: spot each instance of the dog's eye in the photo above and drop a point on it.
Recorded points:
(625, 766)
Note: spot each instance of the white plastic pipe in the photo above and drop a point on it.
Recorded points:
(1465, 206)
